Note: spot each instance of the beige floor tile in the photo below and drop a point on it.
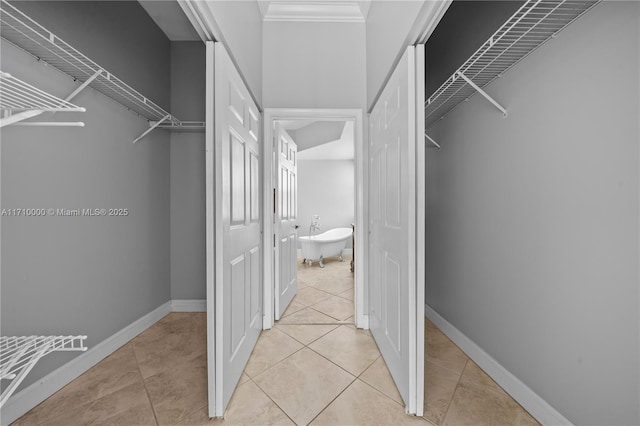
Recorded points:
(360, 404)
(127, 406)
(352, 349)
(310, 296)
(440, 384)
(303, 384)
(307, 316)
(348, 294)
(243, 378)
(178, 391)
(113, 373)
(273, 346)
(248, 406)
(174, 339)
(378, 376)
(334, 286)
(480, 401)
(442, 351)
(293, 308)
(305, 333)
(336, 307)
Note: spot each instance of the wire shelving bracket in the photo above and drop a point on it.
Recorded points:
(22, 31)
(18, 355)
(533, 24)
(20, 101)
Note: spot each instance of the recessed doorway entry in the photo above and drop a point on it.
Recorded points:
(314, 203)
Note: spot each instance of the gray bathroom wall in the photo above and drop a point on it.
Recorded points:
(326, 188)
(188, 207)
(86, 275)
(532, 220)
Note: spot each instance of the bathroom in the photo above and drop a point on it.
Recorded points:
(325, 216)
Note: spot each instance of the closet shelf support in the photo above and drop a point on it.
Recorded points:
(482, 92)
(83, 85)
(152, 127)
(15, 118)
(430, 139)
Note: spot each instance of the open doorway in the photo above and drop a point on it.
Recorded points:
(322, 193)
(319, 281)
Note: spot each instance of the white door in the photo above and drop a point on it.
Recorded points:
(395, 308)
(234, 258)
(286, 152)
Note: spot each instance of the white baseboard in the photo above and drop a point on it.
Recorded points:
(189, 305)
(34, 394)
(531, 401)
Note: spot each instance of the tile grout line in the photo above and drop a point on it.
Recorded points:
(446, 411)
(144, 384)
(271, 399)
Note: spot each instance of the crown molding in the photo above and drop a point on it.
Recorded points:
(314, 11)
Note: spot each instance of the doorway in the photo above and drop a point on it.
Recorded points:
(276, 122)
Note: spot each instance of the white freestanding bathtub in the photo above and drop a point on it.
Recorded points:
(329, 243)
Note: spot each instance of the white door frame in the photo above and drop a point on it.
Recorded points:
(356, 115)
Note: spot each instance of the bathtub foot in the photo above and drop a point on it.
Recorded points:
(340, 257)
(309, 262)
(321, 264)
(304, 261)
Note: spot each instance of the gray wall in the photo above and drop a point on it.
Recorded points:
(532, 220)
(327, 188)
(86, 275)
(188, 207)
(465, 27)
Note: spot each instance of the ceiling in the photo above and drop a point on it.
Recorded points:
(339, 149)
(168, 14)
(314, 10)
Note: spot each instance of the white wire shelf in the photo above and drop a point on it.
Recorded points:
(20, 100)
(18, 355)
(25, 33)
(532, 25)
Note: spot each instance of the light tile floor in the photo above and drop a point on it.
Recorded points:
(311, 368)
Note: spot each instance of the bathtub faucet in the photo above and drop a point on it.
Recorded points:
(315, 224)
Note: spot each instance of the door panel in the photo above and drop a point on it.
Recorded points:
(234, 265)
(393, 311)
(286, 218)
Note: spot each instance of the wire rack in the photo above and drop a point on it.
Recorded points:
(27, 34)
(18, 355)
(533, 24)
(16, 96)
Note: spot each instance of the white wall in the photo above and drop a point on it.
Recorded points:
(314, 65)
(326, 188)
(241, 25)
(532, 220)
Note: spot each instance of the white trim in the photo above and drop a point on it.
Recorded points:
(421, 181)
(326, 114)
(34, 394)
(313, 11)
(189, 305)
(540, 409)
